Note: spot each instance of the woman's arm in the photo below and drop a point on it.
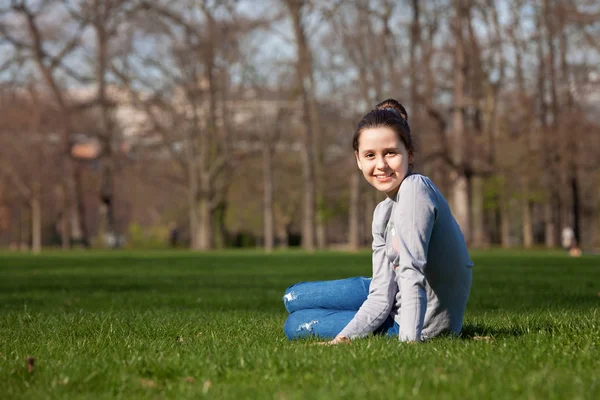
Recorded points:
(383, 288)
(414, 216)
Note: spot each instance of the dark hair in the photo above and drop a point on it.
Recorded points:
(389, 113)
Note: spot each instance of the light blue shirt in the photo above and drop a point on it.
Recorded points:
(422, 271)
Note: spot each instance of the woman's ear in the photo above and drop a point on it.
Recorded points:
(357, 160)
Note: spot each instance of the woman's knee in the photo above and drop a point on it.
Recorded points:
(321, 323)
(289, 296)
(298, 325)
(341, 294)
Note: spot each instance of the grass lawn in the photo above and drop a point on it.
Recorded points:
(183, 325)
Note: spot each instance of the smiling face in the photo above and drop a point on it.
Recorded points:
(383, 159)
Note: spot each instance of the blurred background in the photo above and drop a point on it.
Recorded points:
(209, 124)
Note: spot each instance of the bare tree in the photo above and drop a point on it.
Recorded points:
(107, 20)
(27, 153)
(189, 113)
(460, 192)
(305, 84)
(52, 66)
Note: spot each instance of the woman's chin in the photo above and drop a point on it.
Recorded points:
(385, 187)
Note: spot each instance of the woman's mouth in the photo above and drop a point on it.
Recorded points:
(384, 177)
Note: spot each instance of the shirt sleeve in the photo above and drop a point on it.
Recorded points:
(414, 217)
(383, 288)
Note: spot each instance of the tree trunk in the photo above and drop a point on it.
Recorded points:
(308, 215)
(304, 83)
(572, 140)
(554, 165)
(545, 134)
(192, 190)
(549, 227)
(107, 201)
(525, 121)
(477, 212)
(460, 189)
(202, 175)
(283, 236)
(204, 228)
(80, 231)
(63, 222)
(206, 143)
(317, 150)
(526, 213)
(505, 219)
(106, 194)
(353, 220)
(219, 234)
(370, 204)
(576, 209)
(24, 230)
(415, 42)
(193, 219)
(268, 228)
(321, 226)
(36, 220)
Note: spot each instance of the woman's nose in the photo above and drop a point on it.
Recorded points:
(380, 164)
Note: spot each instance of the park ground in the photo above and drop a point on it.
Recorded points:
(185, 325)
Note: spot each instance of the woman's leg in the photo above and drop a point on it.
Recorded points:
(322, 323)
(326, 324)
(388, 328)
(342, 294)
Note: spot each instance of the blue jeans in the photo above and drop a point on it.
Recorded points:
(324, 308)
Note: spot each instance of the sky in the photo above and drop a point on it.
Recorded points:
(271, 50)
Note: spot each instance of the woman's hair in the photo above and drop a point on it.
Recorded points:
(391, 114)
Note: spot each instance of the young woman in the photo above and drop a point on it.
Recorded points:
(421, 266)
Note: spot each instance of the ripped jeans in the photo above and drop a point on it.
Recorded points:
(324, 308)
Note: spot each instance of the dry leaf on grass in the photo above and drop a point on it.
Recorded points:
(179, 339)
(282, 396)
(483, 338)
(149, 383)
(189, 379)
(206, 386)
(30, 363)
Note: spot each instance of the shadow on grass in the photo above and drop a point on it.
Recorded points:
(471, 331)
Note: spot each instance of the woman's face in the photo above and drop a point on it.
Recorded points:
(383, 159)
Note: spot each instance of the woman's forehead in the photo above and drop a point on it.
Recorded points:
(379, 137)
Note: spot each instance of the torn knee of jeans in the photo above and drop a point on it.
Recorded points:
(289, 297)
(308, 326)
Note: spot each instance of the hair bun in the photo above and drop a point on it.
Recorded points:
(394, 105)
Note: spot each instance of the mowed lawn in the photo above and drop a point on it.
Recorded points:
(184, 325)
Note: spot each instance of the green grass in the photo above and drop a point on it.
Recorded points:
(181, 325)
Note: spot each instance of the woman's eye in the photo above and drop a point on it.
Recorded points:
(369, 155)
(392, 153)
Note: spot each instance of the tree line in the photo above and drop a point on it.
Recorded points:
(228, 122)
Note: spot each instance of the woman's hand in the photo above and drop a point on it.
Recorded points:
(336, 340)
